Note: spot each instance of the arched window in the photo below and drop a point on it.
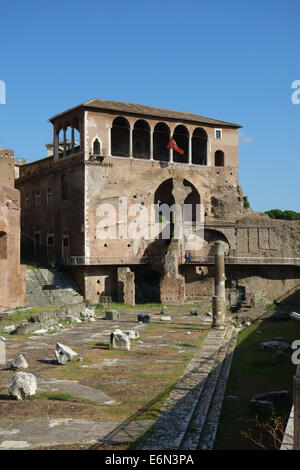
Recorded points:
(199, 147)
(96, 147)
(181, 137)
(141, 139)
(120, 137)
(64, 188)
(219, 158)
(161, 137)
(3, 245)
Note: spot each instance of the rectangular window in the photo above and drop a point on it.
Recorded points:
(27, 201)
(50, 240)
(218, 133)
(49, 196)
(37, 199)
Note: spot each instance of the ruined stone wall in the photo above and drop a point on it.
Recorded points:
(7, 177)
(97, 280)
(126, 286)
(60, 217)
(13, 275)
(268, 283)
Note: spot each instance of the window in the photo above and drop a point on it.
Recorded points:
(50, 241)
(49, 196)
(96, 147)
(219, 158)
(27, 201)
(218, 133)
(37, 199)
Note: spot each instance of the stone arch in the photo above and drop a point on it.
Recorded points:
(181, 137)
(199, 146)
(3, 245)
(161, 137)
(141, 139)
(120, 133)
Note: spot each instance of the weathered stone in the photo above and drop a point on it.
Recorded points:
(64, 353)
(42, 331)
(105, 301)
(275, 345)
(164, 310)
(143, 318)
(120, 340)
(295, 316)
(112, 315)
(262, 405)
(88, 312)
(276, 397)
(22, 385)
(165, 318)
(18, 363)
(133, 334)
(194, 312)
(9, 328)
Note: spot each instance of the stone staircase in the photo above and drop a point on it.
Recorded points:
(190, 416)
(50, 287)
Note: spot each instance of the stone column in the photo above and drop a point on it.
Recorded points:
(72, 140)
(190, 149)
(130, 143)
(296, 444)
(151, 144)
(65, 142)
(55, 143)
(219, 300)
(208, 153)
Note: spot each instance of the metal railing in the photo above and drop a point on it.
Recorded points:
(244, 260)
(109, 260)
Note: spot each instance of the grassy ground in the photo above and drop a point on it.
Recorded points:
(255, 371)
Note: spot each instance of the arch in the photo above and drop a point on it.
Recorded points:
(199, 147)
(64, 187)
(96, 146)
(219, 158)
(3, 245)
(181, 137)
(120, 137)
(161, 137)
(141, 139)
(192, 203)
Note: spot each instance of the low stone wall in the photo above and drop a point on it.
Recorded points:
(49, 318)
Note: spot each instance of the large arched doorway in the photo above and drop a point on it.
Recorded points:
(120, 137)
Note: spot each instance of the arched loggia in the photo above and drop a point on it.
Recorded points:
(141, 140)
(120, 137)
(199, 147)
(161, 138)
(181, 137)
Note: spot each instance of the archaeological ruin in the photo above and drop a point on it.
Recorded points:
(108, 153)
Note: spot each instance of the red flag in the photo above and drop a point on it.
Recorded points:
(172, 145)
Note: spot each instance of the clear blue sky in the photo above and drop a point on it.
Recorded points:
(231, 60)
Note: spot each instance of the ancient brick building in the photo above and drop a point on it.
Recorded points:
(113, 153)
(13, 289)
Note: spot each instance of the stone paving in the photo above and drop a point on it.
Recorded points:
(44, 431)
(185, 410)
(48, 432)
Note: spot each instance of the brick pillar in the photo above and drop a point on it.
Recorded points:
(126, 286)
